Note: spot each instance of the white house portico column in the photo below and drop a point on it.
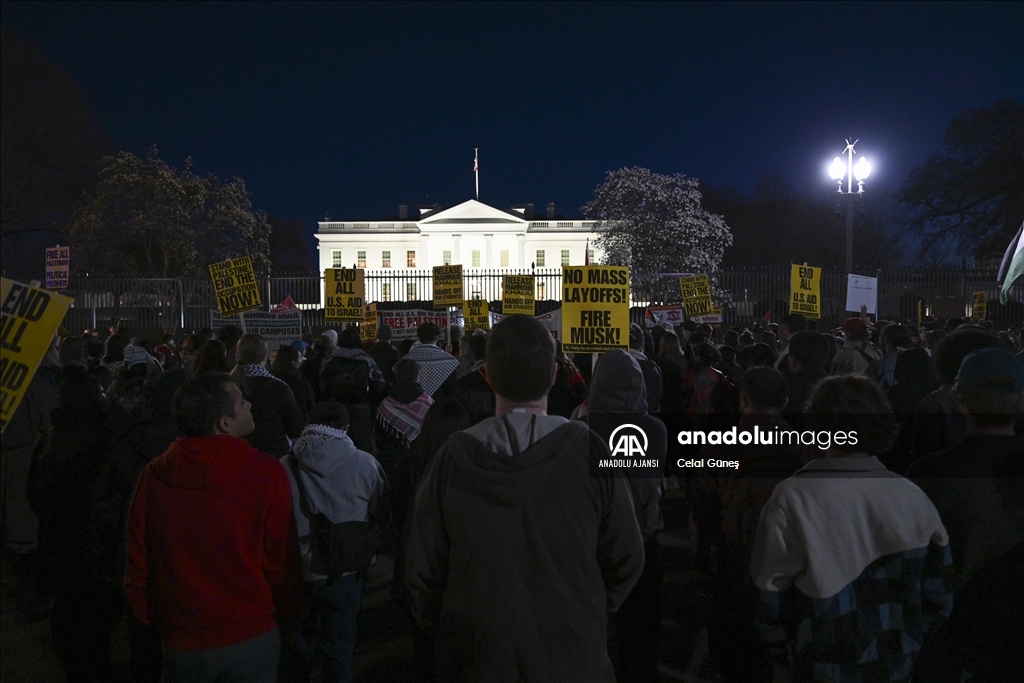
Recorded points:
(488, 239)
(456, 257)
(522, 250)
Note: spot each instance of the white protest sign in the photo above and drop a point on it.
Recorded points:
(404, 322)
(276, 328)
(551, 320)
(862, 291)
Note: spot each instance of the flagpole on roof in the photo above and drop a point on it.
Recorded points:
(476, 170)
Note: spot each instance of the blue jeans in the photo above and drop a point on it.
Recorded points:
(329, 611)
(251, 661)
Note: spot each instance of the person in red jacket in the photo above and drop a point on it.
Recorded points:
(213, 554)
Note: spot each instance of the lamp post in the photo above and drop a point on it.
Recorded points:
(846, 170)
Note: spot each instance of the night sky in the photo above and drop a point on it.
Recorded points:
(349, 109)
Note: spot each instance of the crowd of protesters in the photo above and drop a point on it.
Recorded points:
(227, 500)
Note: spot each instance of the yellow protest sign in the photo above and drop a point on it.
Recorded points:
(447, 286)
(517, 294)
(805, 281)
(595, 308)
(979, 305)
(29, 317)
(368, 328)
(344, 295)
(696, 290)
(234, 283)
(475, 315)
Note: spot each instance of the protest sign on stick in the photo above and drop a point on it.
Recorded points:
(29, 317)
(344, 294)
(517, 295)
(805, 282)
(595, 308)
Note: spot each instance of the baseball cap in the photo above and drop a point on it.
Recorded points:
(992, 370)
(299, 345)
(854, 325)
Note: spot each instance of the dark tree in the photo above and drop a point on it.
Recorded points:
(972, 193)
(148, 219)
(288, 247)
(48, 151)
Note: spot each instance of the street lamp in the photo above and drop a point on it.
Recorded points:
(846, 170)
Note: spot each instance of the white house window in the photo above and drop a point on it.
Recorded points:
(410, 291)
(476, 258)
(410, 259)
(385, 291)
(336, 258)
(504, 258)
(590, 254)
(360, 259)
(565, 257)
(385, 259)
(446, 257)
(540, 258)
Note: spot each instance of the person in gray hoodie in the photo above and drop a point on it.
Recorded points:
(618, 391)
(516, 554)
(345, 484)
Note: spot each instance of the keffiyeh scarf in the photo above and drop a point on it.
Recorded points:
(404, 420)
(257, 370)
(435, 366)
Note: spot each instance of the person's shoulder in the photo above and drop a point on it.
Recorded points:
(365, 463)
(941, 464)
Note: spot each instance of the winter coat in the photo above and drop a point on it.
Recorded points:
(517, 554)
(275, 412)
(70, 458)
(112, 492)
(854, 358)
(618, 388)
(31, 420)
(341, 481)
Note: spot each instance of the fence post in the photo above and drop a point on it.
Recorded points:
(181, 303)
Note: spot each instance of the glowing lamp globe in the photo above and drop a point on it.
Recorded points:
(862, 169)
(838, 169)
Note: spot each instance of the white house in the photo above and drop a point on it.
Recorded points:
(473, 234)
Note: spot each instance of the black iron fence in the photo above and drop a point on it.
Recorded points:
(167, 305)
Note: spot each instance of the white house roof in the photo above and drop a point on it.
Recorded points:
(468, 217)
(472, 212)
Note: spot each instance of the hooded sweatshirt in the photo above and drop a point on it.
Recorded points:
(618, 388)
(213, 557)
(517, 555)
(343, 482)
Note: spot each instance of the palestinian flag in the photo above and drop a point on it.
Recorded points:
(1011, 269)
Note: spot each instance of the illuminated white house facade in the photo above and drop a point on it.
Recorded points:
(473, 234)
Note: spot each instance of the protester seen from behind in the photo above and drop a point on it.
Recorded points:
(276, 414)
(332, 478)
(516, 554)
(849, 557)
(213, 555)
(977, 486)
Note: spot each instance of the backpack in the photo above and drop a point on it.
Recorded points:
(346, 380)
(338, 547)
